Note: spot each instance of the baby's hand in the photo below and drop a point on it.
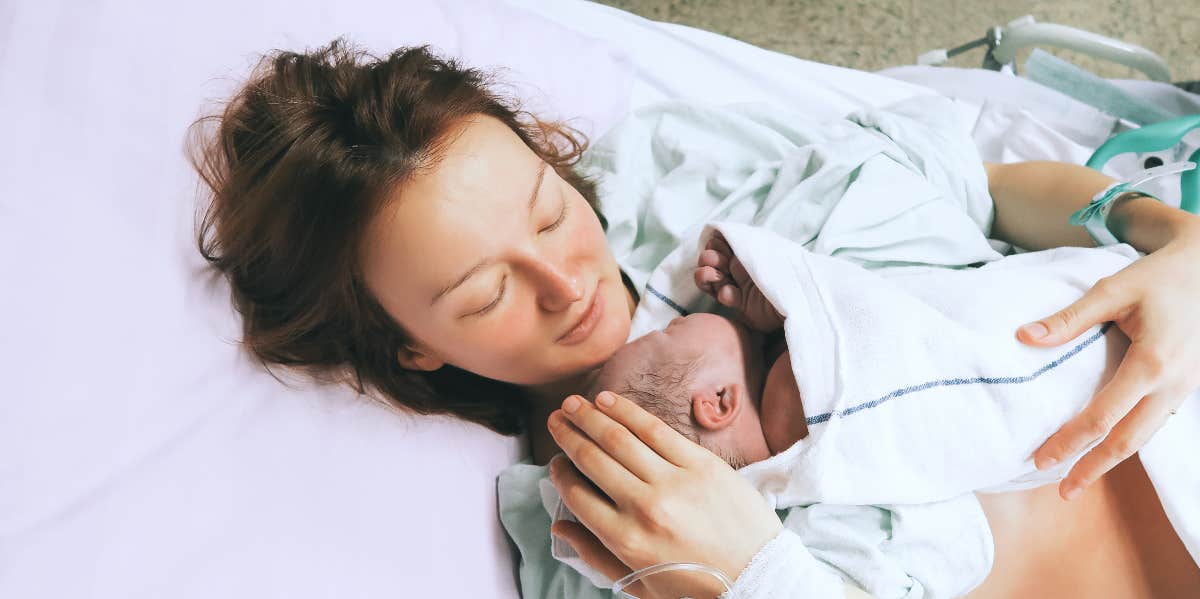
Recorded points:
(720, 274)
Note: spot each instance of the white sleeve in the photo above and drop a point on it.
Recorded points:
(785, 568)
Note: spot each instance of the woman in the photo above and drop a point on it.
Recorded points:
(394, 224)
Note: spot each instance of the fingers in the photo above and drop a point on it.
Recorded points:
(1126, 439)
(714, 259)
(617, 482)
(665, 441)
(1126, 387)
(591, 507)
(625, 450)
(590, 549)
(716, 284)
(708, 279)
(712, 271)
(719, 245)
(1098, 305)
(729, 296)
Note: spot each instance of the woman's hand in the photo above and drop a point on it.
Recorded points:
(1154, 301)
(651, 496)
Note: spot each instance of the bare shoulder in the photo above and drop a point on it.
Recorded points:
(782, 408)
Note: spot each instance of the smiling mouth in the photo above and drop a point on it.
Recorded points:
(587, 322)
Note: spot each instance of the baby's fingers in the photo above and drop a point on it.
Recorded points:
(729, 296)
(718, 244)
(713, 259)
(707, 279)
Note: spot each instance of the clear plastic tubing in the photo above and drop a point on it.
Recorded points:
(620, 585)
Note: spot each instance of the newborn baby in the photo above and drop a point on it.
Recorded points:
(710, 378)
(875, 403)
(887, 432)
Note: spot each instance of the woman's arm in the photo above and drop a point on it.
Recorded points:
(1034, 201)
(1152, 301)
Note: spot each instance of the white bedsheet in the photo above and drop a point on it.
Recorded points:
(141, 453)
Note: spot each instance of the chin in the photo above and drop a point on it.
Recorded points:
(606, 342)
(608, 337)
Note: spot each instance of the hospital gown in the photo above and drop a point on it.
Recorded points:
(889, 188)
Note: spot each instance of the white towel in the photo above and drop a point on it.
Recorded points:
(914, 385)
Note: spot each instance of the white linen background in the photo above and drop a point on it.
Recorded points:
(142, 454)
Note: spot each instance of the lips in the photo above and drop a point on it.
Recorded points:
(587, 321)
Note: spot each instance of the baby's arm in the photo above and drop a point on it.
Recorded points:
(720, 274)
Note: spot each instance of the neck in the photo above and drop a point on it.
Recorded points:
(550, 395)
(547, 398)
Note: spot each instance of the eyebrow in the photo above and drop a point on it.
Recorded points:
(533, 196)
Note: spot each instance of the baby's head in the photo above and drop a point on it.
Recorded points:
(702, 375)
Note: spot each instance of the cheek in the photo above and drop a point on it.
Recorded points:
(490, 344)
(586, 235)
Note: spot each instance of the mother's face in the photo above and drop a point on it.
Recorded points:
(494, 264)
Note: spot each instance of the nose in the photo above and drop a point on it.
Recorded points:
(557, 288)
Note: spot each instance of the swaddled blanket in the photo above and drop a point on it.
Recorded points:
(916, 394)
(915, 387)
(898, 187)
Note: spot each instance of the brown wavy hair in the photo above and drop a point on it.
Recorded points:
(301, 159)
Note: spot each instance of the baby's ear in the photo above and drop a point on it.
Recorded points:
(715, 407)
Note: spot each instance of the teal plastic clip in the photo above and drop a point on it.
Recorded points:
(1155, 138)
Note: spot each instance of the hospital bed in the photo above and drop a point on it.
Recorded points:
(142, 453)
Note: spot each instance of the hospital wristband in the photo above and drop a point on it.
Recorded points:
(1094, 216)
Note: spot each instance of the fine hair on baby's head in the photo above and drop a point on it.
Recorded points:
(699, 376)
(663, 387)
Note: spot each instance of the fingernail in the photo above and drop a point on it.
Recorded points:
(571, 404)
(1035, 330)
(1045, 463)
(1073, 493)
(605, 400)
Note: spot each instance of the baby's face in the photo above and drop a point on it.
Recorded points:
(728, 354)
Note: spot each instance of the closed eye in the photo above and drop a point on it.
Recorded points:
(562, 216)
(492, 305)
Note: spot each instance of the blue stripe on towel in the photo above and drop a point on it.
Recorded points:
(666, 300)
(985, 380)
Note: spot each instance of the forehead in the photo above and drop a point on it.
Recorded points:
(639, 355)
(446, 217)
(479, 154)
